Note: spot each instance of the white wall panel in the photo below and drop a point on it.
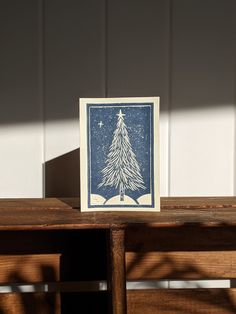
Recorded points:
(21, 160)
(74, 67)
(138, 59)
(21, 133)
(202, 130)
(183, 50)
(202, 152)
(53, 52)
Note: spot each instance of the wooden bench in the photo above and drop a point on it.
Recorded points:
(67, 255)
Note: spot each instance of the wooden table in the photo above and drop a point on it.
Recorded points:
(187, 230)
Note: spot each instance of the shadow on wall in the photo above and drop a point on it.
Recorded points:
(62, 175)
(198, 71)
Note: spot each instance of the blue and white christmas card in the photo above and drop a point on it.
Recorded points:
(119, 154)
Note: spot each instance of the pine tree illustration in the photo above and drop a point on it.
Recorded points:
(122, 169)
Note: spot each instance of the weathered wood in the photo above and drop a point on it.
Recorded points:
(43, 214)
(166, 202)
(188, 237)
(182, 301)
(33, 203)
(29, 268)
(197, 225)
(76, 250)
(23, 303)
(198, 202)
(181, 265)
(117, 278)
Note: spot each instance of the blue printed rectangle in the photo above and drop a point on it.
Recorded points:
(120, 155)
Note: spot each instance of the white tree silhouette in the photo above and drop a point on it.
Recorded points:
(122, 170)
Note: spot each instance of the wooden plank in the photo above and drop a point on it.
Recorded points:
(117, 277)
(29, 268)
(166, 202)
(188, 237)
(181, 265)
(198, 202)
(33, 203)
(184, 301)
(48, 214)
(37, 303)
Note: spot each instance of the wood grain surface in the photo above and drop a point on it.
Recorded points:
(117, 273)
(191, 238)
(181, 265)
(30, 303)
(38, 214)
(182, 301)
(29, 268)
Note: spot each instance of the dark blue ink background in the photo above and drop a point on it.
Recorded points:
(138, 121)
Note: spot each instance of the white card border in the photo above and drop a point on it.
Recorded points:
(83, 102)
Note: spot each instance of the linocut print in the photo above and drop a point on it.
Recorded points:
(121, 155)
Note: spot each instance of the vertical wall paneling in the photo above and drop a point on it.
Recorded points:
(53, 52)
(234, 192)
(203, 97)
(74, 67)
(41, 80)
(137, 58)
(20, 109)
(234, 146)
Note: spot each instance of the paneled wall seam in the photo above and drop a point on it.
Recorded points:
(170, 52)
(202, 113)
(41, 67)
(106, 48)
(234, 136)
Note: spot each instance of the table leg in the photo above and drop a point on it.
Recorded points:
(117, 274)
